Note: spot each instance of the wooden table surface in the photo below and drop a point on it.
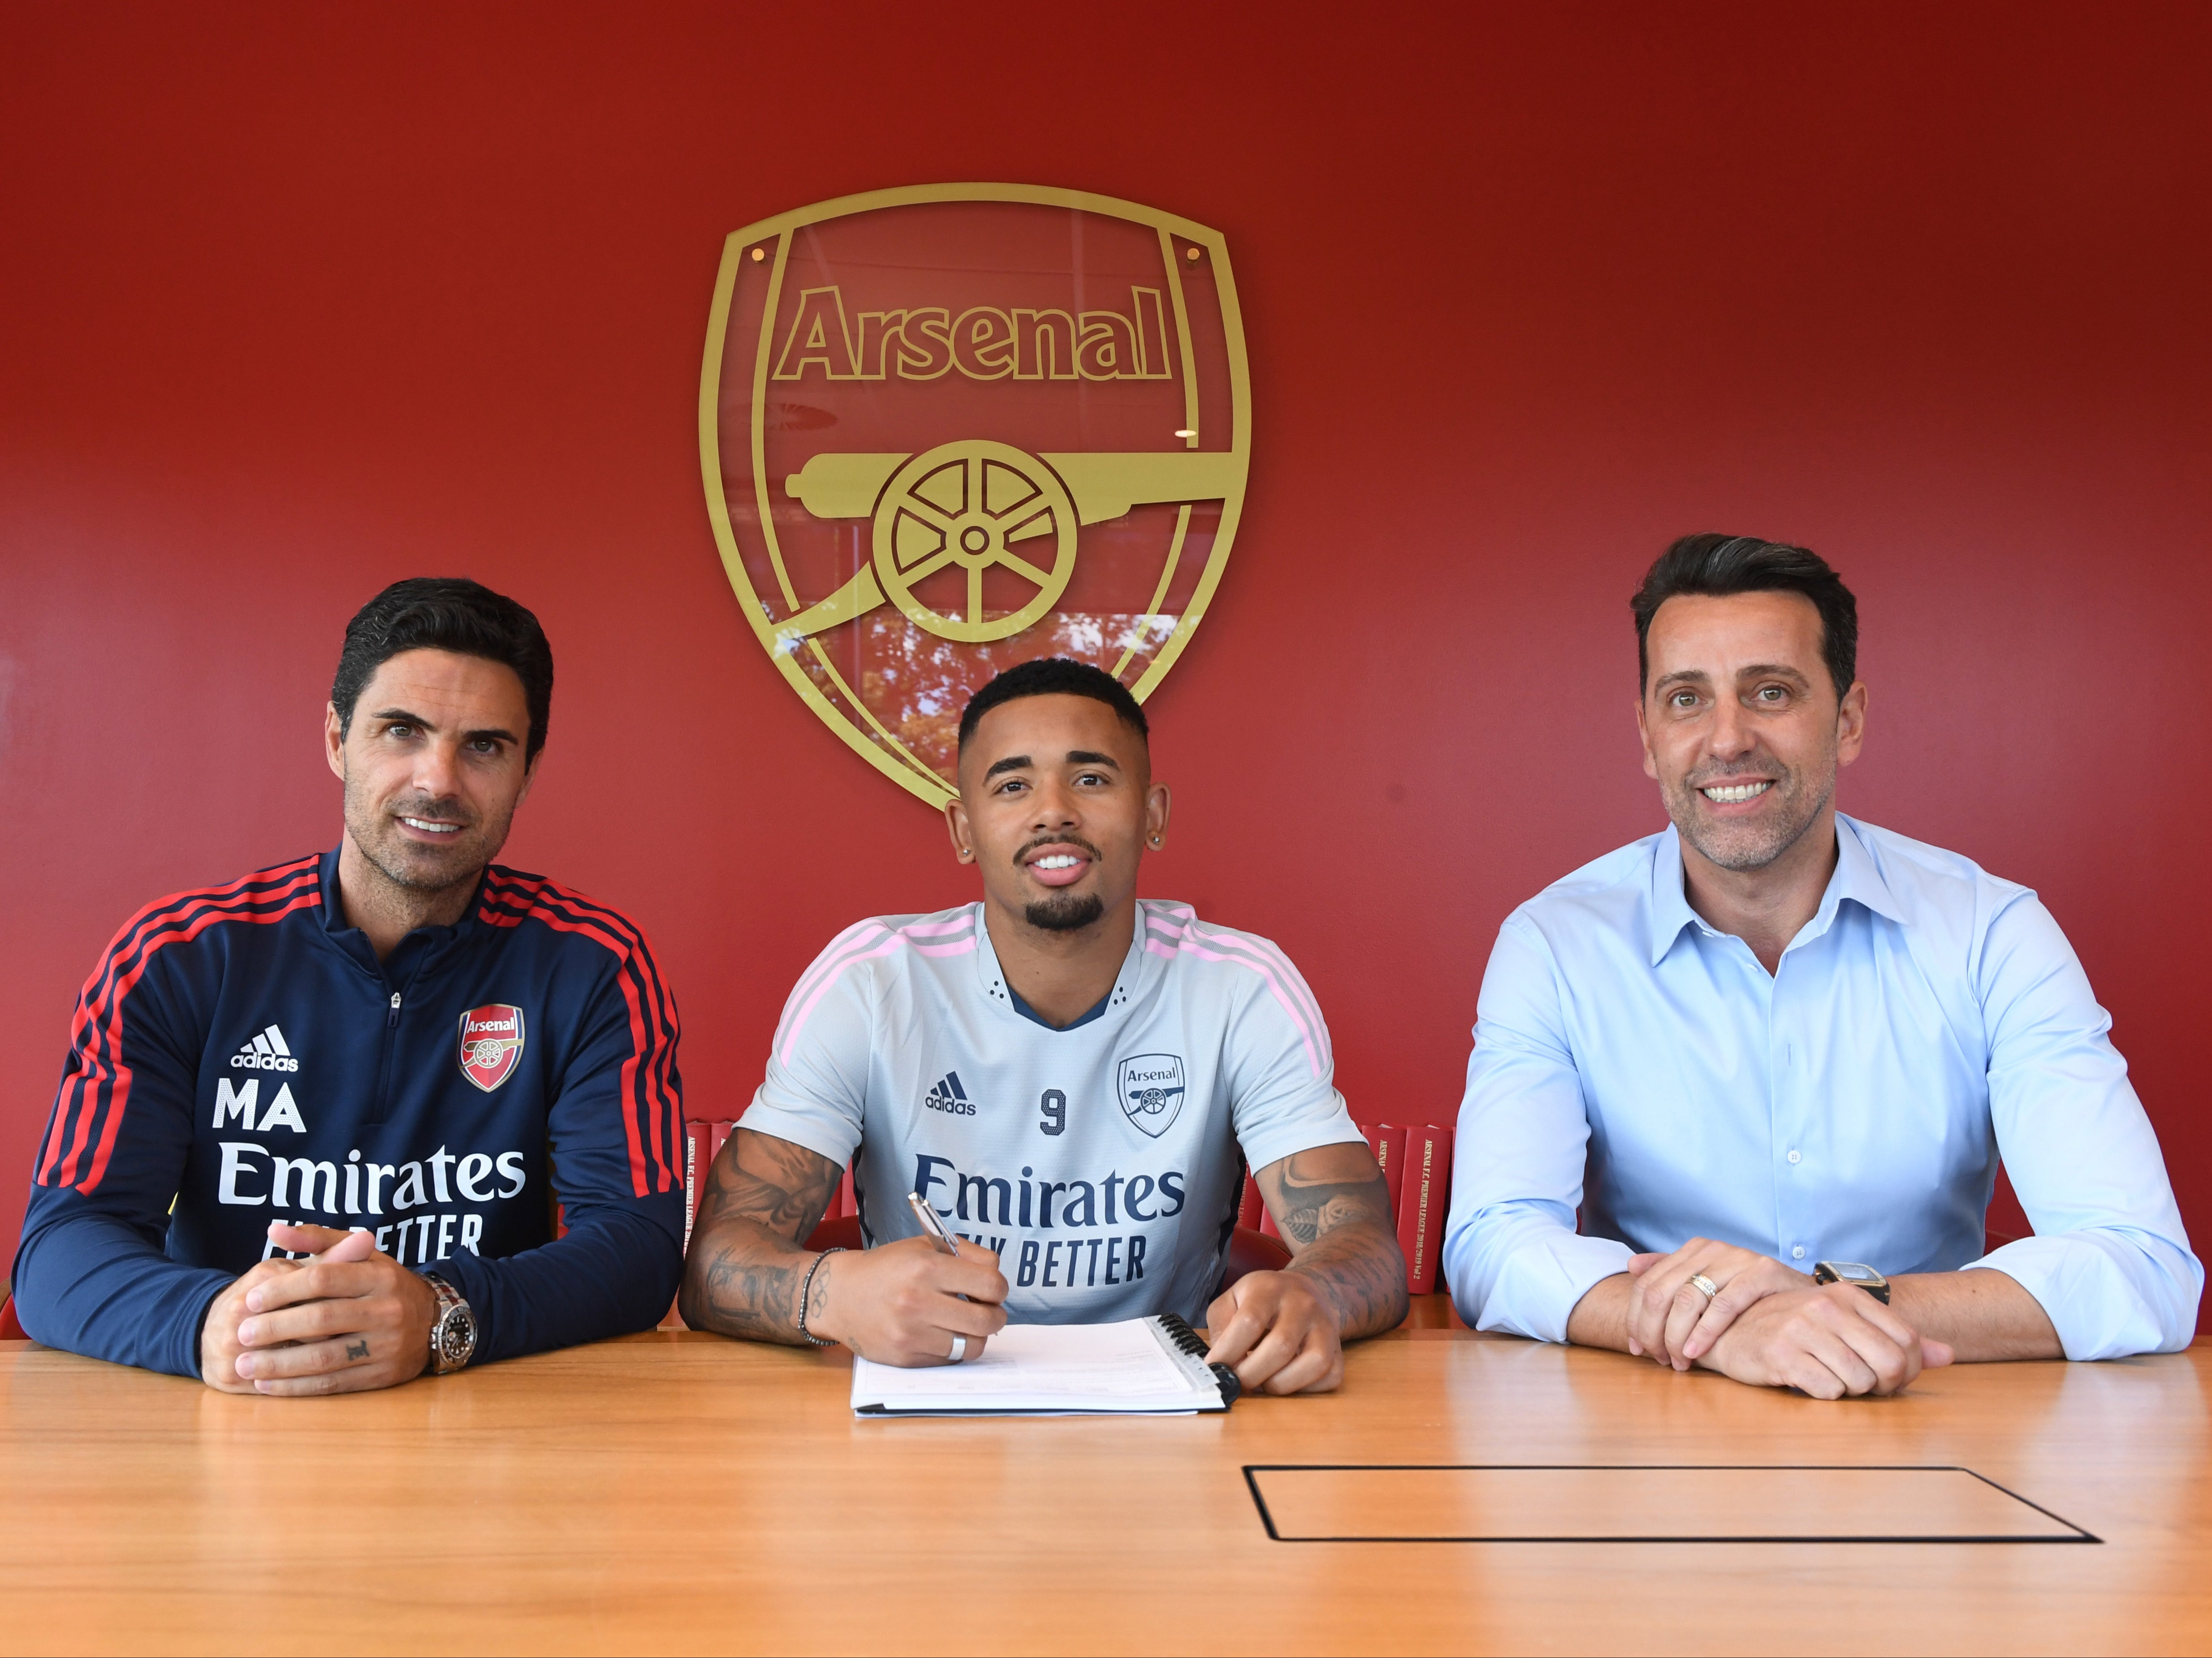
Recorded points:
(675, 1492)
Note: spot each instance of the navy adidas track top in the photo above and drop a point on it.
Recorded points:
(241, 1051)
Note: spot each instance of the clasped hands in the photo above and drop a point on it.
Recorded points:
(347, 1319)
(901, 1303)
(1770, 1325)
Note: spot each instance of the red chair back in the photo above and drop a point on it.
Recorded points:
(843, 1233)
(1251, 1251)
(11, 1328)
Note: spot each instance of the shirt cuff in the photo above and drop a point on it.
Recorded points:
(2091, 1296)
(836, 1142)
(1289, 1141)
(1542, 1281)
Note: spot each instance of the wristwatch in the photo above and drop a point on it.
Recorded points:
(453, 1330)
(1853, 1272)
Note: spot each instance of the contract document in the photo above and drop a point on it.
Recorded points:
(1139, 1367)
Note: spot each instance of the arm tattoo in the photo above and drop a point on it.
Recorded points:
(1333, 1210)
(742, 1275)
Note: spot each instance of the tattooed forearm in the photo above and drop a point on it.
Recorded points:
(1333, 1211)
(747, 1265)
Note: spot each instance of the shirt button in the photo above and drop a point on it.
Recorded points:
(1794, 1156)
(1798, 1252)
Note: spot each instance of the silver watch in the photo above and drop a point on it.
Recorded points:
(453, 1330)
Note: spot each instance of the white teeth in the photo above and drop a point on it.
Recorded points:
(1736, 792)
(431, 829)
(1057, 860)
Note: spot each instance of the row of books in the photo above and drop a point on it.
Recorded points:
(1416, 1163)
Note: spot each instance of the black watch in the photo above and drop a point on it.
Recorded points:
(1853, 1272)
(452, 1328)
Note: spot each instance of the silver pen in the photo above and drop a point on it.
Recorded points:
(932, 1226)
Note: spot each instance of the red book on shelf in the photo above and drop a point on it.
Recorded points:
(1424, 1196)
(698, 1156)
(1253, 1208)
(1388, 1145)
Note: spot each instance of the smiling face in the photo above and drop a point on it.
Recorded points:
(433, 765)
(1741, 724)
(1057, 805)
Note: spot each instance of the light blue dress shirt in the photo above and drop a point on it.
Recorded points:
(1631, 1062)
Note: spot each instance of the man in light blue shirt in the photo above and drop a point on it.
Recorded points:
(1774, 1038)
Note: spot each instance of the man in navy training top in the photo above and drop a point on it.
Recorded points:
(366, 1078)
(1074, 1078)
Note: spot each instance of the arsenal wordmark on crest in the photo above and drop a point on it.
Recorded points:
(949, 427)
(491, 1044)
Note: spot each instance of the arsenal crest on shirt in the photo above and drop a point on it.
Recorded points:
(491, 1044)
(1150, 1089)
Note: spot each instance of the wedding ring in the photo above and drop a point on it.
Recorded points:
(1704, 1285)
(959, 1349)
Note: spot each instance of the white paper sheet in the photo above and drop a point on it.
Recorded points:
(1047, 1368)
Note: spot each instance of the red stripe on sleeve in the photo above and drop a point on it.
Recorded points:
(537, 911)
(97, 1031)
(649, 1114)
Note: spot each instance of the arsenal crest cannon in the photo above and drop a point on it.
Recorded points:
(966, 505)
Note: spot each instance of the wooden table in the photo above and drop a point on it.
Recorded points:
(675, 1492)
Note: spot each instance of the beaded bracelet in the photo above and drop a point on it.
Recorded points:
(807, 1288)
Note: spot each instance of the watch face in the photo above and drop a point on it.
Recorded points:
(456, 1338)
(1851, 1271)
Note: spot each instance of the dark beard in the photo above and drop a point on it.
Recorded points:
(1068, 914)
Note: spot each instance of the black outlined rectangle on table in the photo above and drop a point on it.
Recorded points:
(1623, 1503)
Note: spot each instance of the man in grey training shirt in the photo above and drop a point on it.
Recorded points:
(1074, 1080)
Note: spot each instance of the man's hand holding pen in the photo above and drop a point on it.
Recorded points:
(929, 1300)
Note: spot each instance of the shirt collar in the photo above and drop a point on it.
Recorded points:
(1856, 878)
(1670, 905)
(427, 940)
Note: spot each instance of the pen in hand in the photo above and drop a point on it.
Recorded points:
(932, 1228)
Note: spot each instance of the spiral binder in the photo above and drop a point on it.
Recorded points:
(1189, 1341)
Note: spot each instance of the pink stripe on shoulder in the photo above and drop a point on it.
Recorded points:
(818, 977)
(930, 929)
(831, 951)
(964, 947)
(864, 946)
(1275, 987)
(1268, 956)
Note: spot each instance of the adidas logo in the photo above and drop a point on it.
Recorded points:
(947, 1095)
(266, 1052)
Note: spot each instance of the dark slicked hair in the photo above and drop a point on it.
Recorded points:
(446, 613)
(1054, 676)
(1718, 565)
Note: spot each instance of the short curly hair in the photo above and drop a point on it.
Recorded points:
(1054, 676)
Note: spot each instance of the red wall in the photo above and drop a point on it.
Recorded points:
(295, 301)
